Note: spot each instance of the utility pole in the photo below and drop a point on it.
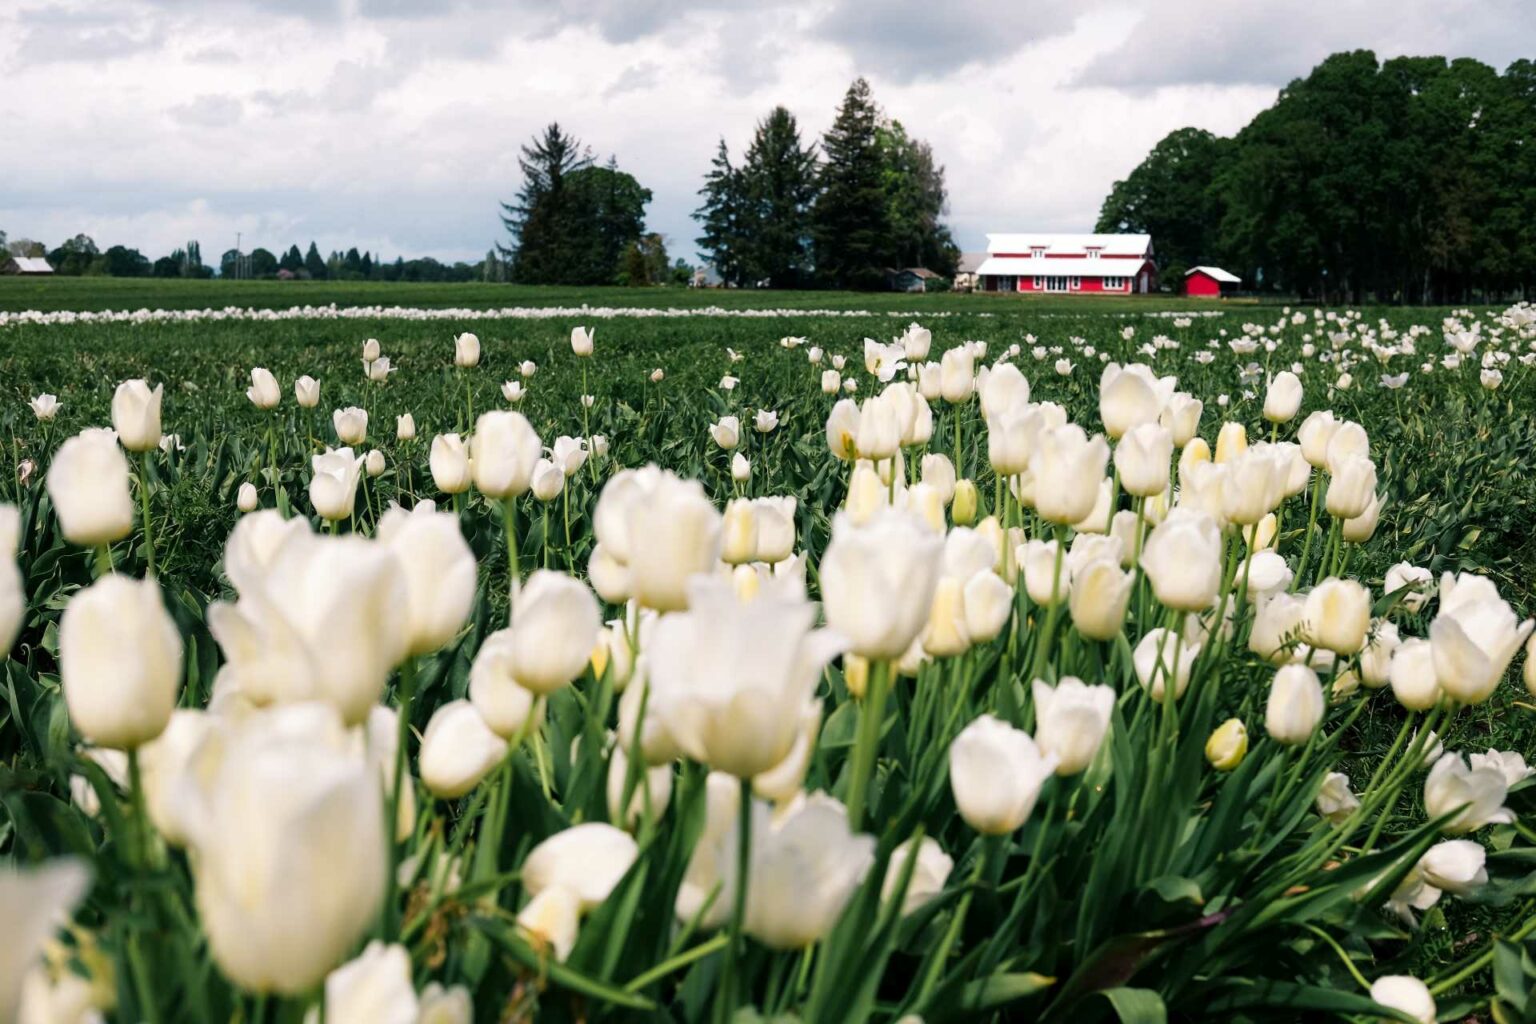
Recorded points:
(239, 257)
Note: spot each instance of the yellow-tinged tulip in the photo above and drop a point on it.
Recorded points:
(1231, 441)
(856, 675)
(963, 509)
(1227, 745)
(1337, 616)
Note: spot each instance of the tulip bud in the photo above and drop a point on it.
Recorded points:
(286, 787)
(502, 702)
(373, 463)
(1283, 400)
(878, 436)
(1231, 442)
(263, 392)
(333, 487)
(378, 370)
(1295, 706)
(351, 425)
(726, 432)
(1100, 593)
(1412, 675)
(449, 461)
(371, 350)
(136, 415)
(555, 622)
(1071, 720)
(741, 468)
(439, 572)
(775, 529)
(963, 510)
(306, 392)
(739, 532)
(1128, 397)
(856, 675)
(1161, 654)
(988, 603)
(996, 773)
(946, 635)
(458, 750)
(673, 532)
(957, 375)
(548, 481)
(1227, 745)
(1415, 579)
(894, 555)
(1337, 616)
(1376, 660)
(1068, 467)
(88, 485)
(1316, 432)
(405, 427)
(1407, 995)
(1182, 559)
(502, 454)
(466, 351)
(120, 662)
(1351, 487)
(247, 499)
(1143, 458)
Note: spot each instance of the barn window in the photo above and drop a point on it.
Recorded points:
(1075, 283)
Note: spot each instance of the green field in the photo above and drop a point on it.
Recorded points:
(83, 293)
(1151, 881)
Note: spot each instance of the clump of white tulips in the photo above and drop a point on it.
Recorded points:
(939, 693)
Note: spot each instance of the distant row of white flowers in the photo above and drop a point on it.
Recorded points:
(333, 312)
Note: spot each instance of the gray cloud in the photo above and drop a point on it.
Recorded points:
(209, 111)
(1216, 42)
(909, 40)
(635, 78)
(56, 33)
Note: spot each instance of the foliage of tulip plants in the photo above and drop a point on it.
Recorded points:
(1102, 666)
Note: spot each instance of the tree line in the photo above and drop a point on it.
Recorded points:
(788, 216)
(80, 256)
(1409, 180)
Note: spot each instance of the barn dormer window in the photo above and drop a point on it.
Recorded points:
(1093, 254)
(1037, 251)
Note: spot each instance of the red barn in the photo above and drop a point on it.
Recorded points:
(1209, 282)
(1068, 264)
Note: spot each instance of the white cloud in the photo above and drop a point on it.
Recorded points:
(395, 125)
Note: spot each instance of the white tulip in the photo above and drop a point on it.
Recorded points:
(1283, 399)
(996, 772)
(1475, 794)
(466, 351)
(1475, 637)
(333, 487)
(805, 868)
(351, 425)
(1412, 674)
(306, 392)
(554, 625)
(1101, 590)
(264, 392)
(136, 415)
(1143, 459)
(893, 554)
(405, 427)
(88, 485)
(726, 432)
(548, 481)
(1182, 558)
(1337, 616)
(1405, 994)
(502, 454)
(120, 658)
(581, 340)
(375, 988)
(588, 860)
(1295, 707)
(1067, 467)
(929, 874)
(1071, 719)
(449, 462)
(458, 750)
(35, 900)
(247, 499)
(439, 572)
(1162, 653)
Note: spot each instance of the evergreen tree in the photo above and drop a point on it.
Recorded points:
(724, 218)
(915, 203)
(352, 263)
(541, 220)
(849, 221)
(607, 217)
(292, 261)
(367, 266)
(778, 188)
(315, 263)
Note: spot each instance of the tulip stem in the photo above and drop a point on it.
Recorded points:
(1306, 548)
(149, 538)
(143, 857)
(404, 691)
(725, 1005)
(866, 745)
(104, 566)
(509, 522)
(952, 933)
(1043, 640)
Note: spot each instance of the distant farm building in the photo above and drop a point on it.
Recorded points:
(911, 279)
(24, 265)
(965, 272)
(1068, 264)
(1210, 282)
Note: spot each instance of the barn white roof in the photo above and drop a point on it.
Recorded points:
(1024, 266)
(1215, 273)
(32, 265)
(1108, 245)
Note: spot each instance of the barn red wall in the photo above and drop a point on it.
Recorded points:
(1202, 285)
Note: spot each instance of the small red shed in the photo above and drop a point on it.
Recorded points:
(1209, 282)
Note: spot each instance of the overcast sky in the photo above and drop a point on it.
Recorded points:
(394, 125)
